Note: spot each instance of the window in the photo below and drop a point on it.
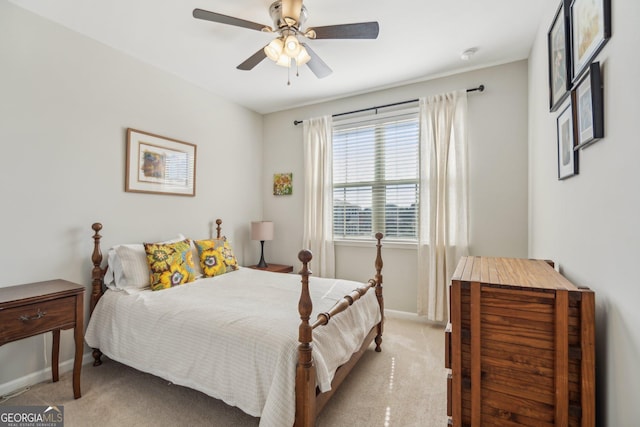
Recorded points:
(376, 176)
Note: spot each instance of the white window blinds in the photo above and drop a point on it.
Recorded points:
(376, 176)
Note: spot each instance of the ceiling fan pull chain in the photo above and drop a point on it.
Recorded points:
(289, 76)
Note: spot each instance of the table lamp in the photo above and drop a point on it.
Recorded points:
(262, 230)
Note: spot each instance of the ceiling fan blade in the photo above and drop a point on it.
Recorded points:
(291, 9)
(361, 30)
(317, 65)
(252, 61)
(229, 20)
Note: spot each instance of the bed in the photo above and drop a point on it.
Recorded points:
(233, 336)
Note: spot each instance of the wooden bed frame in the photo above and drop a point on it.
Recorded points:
(309, 400)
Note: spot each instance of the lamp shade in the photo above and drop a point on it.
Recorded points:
(274, 49)
(284, 61)
(291, 46)
(303, 57)
(262, 230)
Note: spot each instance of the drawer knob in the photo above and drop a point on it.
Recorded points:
(39, 315)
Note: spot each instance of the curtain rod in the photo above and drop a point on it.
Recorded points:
(473, 89)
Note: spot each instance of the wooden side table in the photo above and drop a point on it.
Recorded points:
(36, 308)
(276, 268)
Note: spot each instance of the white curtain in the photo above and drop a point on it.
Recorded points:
(318, 195)
(443, 234)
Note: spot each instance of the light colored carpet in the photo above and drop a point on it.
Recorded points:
(404, 385)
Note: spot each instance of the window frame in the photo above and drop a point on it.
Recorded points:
(379, 185)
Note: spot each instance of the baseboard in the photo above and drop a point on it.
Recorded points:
(40, 376)
(414, 317)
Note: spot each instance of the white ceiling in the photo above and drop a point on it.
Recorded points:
(419, 39)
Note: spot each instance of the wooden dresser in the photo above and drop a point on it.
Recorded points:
(36, 308)
(520, 346)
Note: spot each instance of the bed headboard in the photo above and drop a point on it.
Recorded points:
(98, 272)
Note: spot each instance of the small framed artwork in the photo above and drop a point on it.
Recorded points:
(590, 22)
(588, 107)
(567, 156)
(283, 184)
(156, 164)
(558, 48)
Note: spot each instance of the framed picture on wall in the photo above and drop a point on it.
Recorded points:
(559, 58)
(283, 184)
(156, 164)
(590, 23)
(587, 102)
(567, 156)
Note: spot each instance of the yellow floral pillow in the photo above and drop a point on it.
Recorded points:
(216, 257)
(170, 264)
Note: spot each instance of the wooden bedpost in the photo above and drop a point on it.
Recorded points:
(218, 228)
(305, 368)
(378, 278)
(96, 272)
(96, 281)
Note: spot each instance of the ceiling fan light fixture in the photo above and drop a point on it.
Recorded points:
(274, 49)
(288, 18)
(292, 46)
(303, 57)
(284, 61)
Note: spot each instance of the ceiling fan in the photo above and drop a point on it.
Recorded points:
(288, 17)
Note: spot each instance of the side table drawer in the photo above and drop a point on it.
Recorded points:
(37, 318)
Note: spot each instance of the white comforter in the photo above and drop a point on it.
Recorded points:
(233, 337)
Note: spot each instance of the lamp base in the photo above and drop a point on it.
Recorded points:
(262, 263)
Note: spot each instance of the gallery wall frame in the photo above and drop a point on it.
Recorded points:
(283, 184)
(588, 107)
(559, 57)
(567, 156)
(157, 164)
(590, 29)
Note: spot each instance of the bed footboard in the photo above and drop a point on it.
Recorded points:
(308, 400)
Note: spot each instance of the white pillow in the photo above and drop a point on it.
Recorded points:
(110, 276)
(128, 269)
(135, 269)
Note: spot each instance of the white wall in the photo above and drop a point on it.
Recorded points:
(589, 223)
(65, 104)
(498, 176)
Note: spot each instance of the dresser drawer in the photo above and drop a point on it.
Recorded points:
(33, 319)
(449, 395)
(447, 346)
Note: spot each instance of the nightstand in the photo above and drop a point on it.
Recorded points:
(276, 268)
(36, 308)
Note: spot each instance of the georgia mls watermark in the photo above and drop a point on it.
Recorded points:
(31, 416)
